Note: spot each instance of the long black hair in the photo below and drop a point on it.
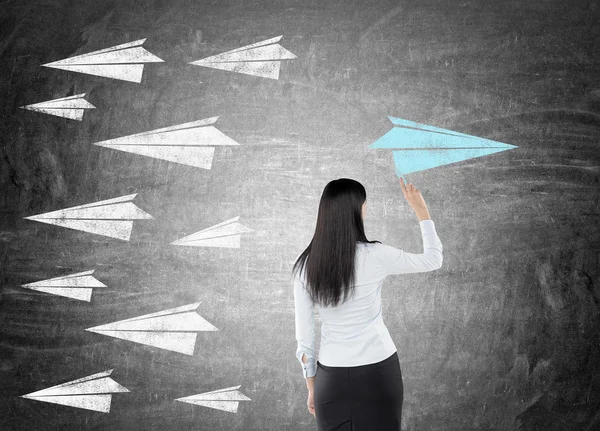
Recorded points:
(329, 258)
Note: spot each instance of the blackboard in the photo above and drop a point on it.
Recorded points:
(504, 336)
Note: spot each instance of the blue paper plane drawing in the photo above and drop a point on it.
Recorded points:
(175, 329)
(227, 399)
(111, 217)
(261, 59)
(191, 144)
(125, 62)
(225, 234)
(76, 286)
(71, 107)
(91, 393)
(420, 147)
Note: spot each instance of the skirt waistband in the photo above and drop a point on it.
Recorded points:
(390, 359)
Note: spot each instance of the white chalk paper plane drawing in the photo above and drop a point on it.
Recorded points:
(227, 399)
(175, 329)
(420, 147)
(225, 234)
(91, 393)
(76, 286)
(125, 62)
(112, 217)
(71, 107)
(190, 143)
(261, 59)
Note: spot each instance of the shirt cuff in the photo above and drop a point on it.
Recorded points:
(427, 225)
(310, 368)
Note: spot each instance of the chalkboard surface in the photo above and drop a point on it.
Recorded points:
(504, 336)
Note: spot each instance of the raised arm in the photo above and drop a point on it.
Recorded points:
(397, 261)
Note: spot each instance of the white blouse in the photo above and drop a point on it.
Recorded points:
(353, 333)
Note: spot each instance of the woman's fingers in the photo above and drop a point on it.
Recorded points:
(411, 187)
(404, 190)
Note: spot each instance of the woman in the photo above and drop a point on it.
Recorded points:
(357, 383)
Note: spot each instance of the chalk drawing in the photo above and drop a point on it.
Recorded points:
(225, 234)
(175, 329)
(76, 286)
(222, 399)
(190, 144)
(125, 62)
(71, 107)
(91, 393)
(426, 147)
(261, 59)
(112, 217)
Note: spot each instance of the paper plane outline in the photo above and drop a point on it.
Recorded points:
(225, 234)
(70, 107)
(191, 143)
(262, 59)
(125, 62)
(420, 147)
(75, 286)
(226, 399)
(92, 392)
(111, 217)
(175, 329)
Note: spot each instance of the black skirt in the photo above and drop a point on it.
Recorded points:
(362, 398)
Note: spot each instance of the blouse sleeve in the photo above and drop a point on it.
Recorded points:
(305, 328)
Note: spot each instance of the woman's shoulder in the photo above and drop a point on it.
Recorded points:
(378, 249)
(299, 273)
(370, 247)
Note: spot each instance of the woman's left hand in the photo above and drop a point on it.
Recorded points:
(311, 403)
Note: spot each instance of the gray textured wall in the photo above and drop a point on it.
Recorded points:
(505, 336)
